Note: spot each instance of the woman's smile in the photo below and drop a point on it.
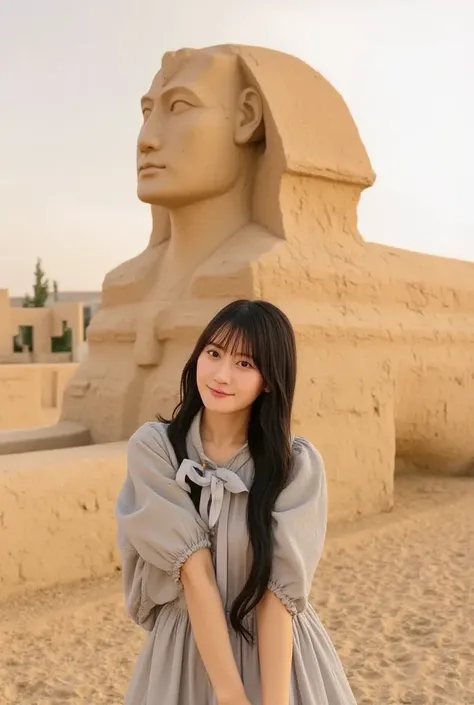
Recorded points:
(218, 393)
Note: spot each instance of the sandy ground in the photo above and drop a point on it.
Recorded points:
(395, 592)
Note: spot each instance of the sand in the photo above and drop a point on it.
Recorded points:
(394, 591)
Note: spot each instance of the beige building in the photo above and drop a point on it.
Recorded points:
(72, 310)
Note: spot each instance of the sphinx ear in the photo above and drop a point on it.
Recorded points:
(249, 117)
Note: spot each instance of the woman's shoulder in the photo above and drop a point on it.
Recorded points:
(149, 450)
(303, 446)
(150, 429)
(153, 435)
(307, 460)
(306, 483)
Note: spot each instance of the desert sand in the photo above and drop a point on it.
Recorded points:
(394, 591)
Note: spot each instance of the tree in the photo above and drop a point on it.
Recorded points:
(41, 293)
(40, 289)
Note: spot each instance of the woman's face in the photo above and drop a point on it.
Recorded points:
(227, 381)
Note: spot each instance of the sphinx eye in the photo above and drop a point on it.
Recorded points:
(179, 106)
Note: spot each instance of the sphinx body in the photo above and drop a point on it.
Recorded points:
(385, 336)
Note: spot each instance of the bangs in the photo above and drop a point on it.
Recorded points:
(234, 339)
(258, 331)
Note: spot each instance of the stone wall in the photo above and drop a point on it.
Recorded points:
(31, 395)
(57, 516)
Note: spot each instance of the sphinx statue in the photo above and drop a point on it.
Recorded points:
(218, 140)
(253, 167)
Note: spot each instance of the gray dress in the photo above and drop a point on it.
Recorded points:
(159, 528)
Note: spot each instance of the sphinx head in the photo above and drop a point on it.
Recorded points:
(247, 113)
(202, 126)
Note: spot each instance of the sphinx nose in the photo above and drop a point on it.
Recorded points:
(149, 139)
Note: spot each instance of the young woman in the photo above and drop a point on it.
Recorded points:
(222, 520)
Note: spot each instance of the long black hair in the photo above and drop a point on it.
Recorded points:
(263, 332)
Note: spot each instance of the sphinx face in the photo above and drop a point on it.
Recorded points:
(186, 147)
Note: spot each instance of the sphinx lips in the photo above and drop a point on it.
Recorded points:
(150, 169)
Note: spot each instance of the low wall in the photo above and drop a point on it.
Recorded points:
(27, 358)
(31, 395)
(60, 358)
(57, 516)
(17, 358)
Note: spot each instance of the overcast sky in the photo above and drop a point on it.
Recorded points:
(72, 73)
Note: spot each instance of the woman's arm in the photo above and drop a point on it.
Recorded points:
(210, 628)
(275, 649)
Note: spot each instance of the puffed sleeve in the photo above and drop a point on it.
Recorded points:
(299, 525)
(158, 525)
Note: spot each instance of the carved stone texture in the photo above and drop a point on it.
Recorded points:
(253, 167)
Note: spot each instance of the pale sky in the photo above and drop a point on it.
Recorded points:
(72, 73)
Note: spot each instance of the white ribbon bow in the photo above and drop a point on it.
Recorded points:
(218, 480)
